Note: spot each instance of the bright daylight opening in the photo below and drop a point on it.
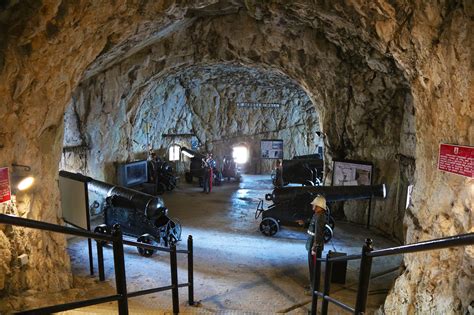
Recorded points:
(240, 154)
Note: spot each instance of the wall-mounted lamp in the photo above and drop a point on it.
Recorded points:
(21, 178)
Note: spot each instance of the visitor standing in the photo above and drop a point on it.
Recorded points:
(207, 173)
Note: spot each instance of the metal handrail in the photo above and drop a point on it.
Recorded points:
(341, 258)
(119, 265)
(366, 263)
(154, 247)
(440, 243)
(14, 220)
(72, 305)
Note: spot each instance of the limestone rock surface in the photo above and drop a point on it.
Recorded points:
(391, 81)
(223, 106)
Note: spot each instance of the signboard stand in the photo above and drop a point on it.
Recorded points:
(75, 204)
(353, 173)
(271, 149)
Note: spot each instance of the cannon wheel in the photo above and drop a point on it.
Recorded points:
(259, 210)
(174, 231)
(331, 222)
(217, 180)
(328, 233)
(188, 177)
(171, 183)
(147, 239)
(102, 229)
(269, 226)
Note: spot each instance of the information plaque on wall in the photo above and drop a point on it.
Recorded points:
(456, 159)
(5, 191)
(271, 149)
(352, 173)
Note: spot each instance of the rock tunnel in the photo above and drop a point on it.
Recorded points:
(385, 81)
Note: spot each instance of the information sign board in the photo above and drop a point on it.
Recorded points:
(271, 149)
(351, 173)
(5, 191)
(456, 159)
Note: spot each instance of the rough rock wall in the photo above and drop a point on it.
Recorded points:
(206, 104)
(362, 100)
(199, 100)
(319, 66)
(49, 45)
(443, 204)
(45, 47)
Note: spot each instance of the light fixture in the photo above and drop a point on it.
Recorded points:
(21, 178)
(25, 183)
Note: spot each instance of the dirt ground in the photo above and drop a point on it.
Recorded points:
(237, 270)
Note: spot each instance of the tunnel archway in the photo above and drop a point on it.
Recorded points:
(390, 38)
(360, 121)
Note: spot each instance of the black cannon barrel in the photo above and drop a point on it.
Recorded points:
(308, 156)
(194, 154)
(141, 201)
(311, 163)
(331, 193)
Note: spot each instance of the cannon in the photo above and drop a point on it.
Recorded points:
(139, 215)
(292, 204)
(303, 169)
(230, 169)
(160, 173)
(196, 168)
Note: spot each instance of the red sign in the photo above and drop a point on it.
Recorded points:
(456, 159)
(5, 194)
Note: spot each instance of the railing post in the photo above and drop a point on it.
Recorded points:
(100, 259)
(174, 278)
(316, 279)
(364, 278)
(327, 282)
(119, 266)
(91, 259)
(190, 271)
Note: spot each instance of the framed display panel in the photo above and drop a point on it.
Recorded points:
(271, 149)
(75, 204)
(351, 173)
(132, 174)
